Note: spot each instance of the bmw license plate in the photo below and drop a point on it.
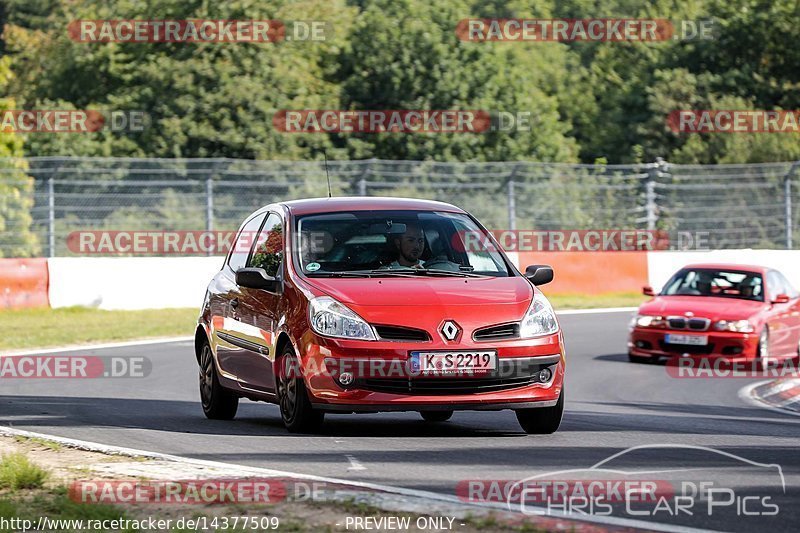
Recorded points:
(453, 362)
(691, 340)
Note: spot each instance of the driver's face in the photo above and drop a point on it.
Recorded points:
(411, 244)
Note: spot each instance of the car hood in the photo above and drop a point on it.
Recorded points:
(702, 306)
(425, 291)
(425, 303)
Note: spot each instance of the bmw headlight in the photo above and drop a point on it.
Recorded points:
(648, 321)
(333, 319)
(539, 320)
(739, 326)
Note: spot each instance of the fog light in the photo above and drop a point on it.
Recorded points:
(545, 375)
(345, 378)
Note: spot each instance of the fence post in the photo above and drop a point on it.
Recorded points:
(51, 218)
(787, 203)
(209, 204)
(512, 205)
(651, 207)
(362, 187)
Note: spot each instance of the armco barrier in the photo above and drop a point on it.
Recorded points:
(161, 282)
(130, 282)
(23, 283)
(590, 272)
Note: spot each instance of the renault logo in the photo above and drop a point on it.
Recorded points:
(450, 330)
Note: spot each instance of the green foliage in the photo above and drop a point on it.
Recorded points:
(587, 100)
(18, 472)
(16, 188)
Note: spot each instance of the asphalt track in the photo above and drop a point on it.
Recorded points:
(612, 405)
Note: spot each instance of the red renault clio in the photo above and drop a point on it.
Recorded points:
(343, 305)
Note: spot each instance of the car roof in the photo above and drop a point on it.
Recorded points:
(365, 203)
(729, 266)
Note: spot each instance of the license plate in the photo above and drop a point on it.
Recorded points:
(449, 362)
(691, 340)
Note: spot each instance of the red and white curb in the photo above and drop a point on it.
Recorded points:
(780, 394)
(385, 497)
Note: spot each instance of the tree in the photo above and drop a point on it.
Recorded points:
(16, 188)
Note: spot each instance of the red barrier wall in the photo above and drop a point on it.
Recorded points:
(591, 272)
(23, 283)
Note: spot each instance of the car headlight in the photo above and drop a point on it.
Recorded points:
(540, 319)
(739, 326)
(648, 321)
(333, 319)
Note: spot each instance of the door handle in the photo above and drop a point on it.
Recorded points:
(235, 303)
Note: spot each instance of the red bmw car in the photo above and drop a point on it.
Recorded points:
(737, 312)
(343, 305)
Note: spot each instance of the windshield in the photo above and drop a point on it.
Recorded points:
(393, 243)
(718, 283)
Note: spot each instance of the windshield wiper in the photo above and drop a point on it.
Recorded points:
(443, 272)
(341, 274)
(408, 272)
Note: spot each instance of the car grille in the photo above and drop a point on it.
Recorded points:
(512, 374)
(400, 333)
(686, 348)
(496, 333)
(695, 324)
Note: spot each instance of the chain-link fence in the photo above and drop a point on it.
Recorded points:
(738, 206)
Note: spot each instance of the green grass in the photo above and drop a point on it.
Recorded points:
(49, 444)
(581, 301)
(38, 328)
(18, 472)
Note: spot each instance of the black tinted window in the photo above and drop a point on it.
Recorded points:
(268, 252)
(244, 243)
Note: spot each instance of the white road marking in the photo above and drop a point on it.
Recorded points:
(103, 346)
(428, 498)
(596, 311)
(354, 464)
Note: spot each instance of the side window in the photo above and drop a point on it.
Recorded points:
(775, 284)
(244, 242)
(788, 287)
(268, 252)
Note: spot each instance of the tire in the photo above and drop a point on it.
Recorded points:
(639, 359)
(296, 411)
(436, 416)
(542, 420)
(218, 402)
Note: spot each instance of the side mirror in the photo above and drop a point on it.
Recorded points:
(539, 274)
(256, 278)
(647, 290)
(781, 299)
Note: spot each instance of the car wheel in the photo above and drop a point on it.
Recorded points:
(436, 416)
(762, 352)
(218, 402)
(639, 359)
(296, 411)
(542, 420)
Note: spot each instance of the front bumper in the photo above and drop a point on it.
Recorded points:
(650, 342)
(507, 388)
